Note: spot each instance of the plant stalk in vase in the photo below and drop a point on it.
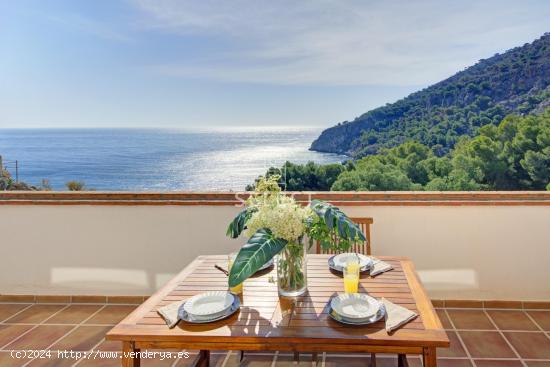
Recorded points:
(275, 224)
(292, 269)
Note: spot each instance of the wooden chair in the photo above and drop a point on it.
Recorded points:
(361, 248)
(364, 248)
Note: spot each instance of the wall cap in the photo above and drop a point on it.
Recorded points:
(356, 198)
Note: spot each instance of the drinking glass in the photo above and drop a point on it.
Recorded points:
(351, 276)
(238, 289)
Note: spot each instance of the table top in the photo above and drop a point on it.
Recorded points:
(267, 321)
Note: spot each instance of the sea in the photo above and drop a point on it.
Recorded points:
(155, 159)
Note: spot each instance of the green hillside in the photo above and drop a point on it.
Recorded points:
(517, 81)
(515, 155)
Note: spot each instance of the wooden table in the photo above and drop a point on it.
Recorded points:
(268, 322)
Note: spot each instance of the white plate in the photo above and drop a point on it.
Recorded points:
(209, 303)
(340, 260)
(355, 306)
(205, 319)
(370, 320)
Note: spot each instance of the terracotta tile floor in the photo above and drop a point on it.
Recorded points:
(479, 338)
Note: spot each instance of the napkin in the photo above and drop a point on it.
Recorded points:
(396, 316)
(379, 267)
(170, 313)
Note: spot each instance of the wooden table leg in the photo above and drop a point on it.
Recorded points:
(373, 360)
(204, 359)
(402, 360)
(429, 357)
(130, 355)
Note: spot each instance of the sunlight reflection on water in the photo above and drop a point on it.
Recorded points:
(150, 160)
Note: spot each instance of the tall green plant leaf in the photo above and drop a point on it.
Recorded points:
(259, 249)
(337, 221)
(238, 224)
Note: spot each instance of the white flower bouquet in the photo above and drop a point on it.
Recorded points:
(276, 224)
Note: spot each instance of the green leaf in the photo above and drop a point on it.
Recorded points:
(259, 249)
(238, 224)
(334, 217)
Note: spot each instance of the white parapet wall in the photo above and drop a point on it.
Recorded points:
(490, 252)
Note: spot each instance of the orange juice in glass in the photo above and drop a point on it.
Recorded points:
(238, 289)
(351, 276)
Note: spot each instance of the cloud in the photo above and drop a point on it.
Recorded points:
(341, 42)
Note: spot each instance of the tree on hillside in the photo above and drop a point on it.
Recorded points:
(305, 177)
(371, 174)
(513, 156)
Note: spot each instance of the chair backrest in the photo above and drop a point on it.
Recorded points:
(361, 247)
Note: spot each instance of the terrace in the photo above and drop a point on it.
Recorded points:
(74, 264)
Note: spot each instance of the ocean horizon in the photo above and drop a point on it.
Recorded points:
(156, 159)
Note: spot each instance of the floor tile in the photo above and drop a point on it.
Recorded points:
(250, 360)
(216, 360)
(54, 361)
(530, 345)
(111, 315)
(456, 349)
(392, 361)
(335, 361)
(160, 361)
(512, 320)
(9, 309)
(364, 360)
(542, 318)
(454, 363)
(103, 362)
(40, 337)
(83, 338)
(481, 344)
(9, 332)
(74, 314)
(498, 363)
(444, 319)
(35, 314)
(470, 320)
(190, 361)
(305, 360)
(486, 344)
(414, 361)
(6, 360)
(537, 364)
(110, 345)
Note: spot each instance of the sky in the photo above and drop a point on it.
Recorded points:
(189, 64)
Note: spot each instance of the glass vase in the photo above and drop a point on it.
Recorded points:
(292, 269)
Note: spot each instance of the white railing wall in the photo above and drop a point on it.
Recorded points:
(470, 251)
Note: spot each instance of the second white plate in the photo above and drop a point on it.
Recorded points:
(338, 262)
(355, 306)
